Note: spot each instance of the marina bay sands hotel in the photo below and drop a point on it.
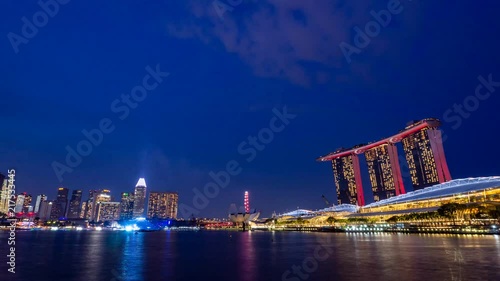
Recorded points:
(424, 153)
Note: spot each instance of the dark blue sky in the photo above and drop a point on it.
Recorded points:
(226, 76)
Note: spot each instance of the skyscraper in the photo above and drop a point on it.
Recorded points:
(27, 203)
(384, 171)
(39, 199)
(103, 195)
(425, 156)
(44, 213)
(347, 180)
(4, 195)
(163, 205)
(59, 205)
(89, 205)
(19, 203)
(107, 211)
(74, 204)
(139, 198)
(126, 206)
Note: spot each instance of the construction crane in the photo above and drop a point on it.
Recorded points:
(326, 201)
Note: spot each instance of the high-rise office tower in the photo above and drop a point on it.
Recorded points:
(103, 195)
(139, 198)
(19, 203)
(107, 211)
(45, 210)
(89, 205)
(425, 156)
(162, 205)
(39, 199)
(83, 210)
(74, 204)
(348, 180)
(4, 194)
(27, 203)
(60, 204)
(126, 206)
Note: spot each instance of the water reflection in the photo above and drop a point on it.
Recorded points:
(248, 269)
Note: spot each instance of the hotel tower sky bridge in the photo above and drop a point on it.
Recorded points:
(424, 153)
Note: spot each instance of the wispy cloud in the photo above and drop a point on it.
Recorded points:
(294, 39)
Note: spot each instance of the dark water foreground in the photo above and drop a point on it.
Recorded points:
(217, 255)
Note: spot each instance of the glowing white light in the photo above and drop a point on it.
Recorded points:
(141, 219)
(98, 228)
(79, 228)
(141, 182)
(54, 228)
(129, 228)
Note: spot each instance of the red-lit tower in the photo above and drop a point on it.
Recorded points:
(247, 203)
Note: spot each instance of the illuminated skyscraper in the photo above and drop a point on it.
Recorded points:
(347, 177)
(60, 205)
(83, 211)
(107, 211)
(163, 205)
(384, 171)
(140, 198)
(74, 204)
(19, 203)
(89, 205)
(126, 206)
(44, 213)
(39, 199)
(27, 203)
(4, 194)
(100, 196)
(425, 156)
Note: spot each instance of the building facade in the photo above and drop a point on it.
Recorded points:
(425, 157)
(45, 210)
(39, 199)
(347, 181)
(162, 205)
(127, 206)
(60, 204)
(4, 194)
(74, 204)
(107, 211)
(140, 198)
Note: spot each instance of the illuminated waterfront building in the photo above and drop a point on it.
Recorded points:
(381, 169)
(74, 204)
(45, 210)
(83, 210)
(100, 196)
(39, 199)
(27, 203)
(4, 194)
(19, 203)
(108, 211)
(424, 153)
(347, 180)
(60, 204)
(425, 156)
(162, 205)
(140, 198)
(89, 204)
(126, 206)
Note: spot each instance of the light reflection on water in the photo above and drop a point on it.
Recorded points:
(217, 255)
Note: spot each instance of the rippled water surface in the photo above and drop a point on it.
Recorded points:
(214, 255)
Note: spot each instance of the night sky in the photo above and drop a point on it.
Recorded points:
(226, 74)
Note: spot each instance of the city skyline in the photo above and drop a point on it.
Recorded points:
(220, 92)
